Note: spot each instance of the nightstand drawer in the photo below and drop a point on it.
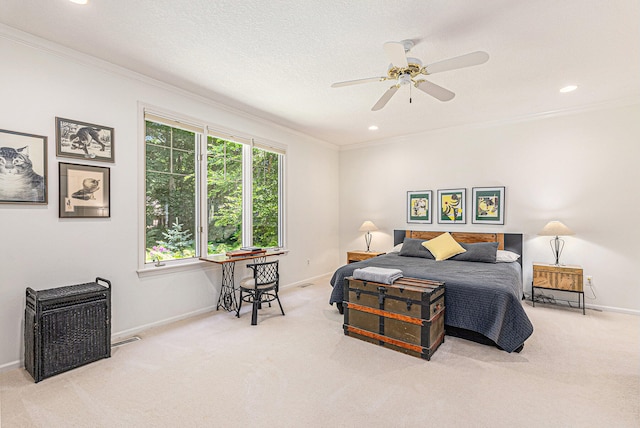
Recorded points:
(567, 278)
(358, 256)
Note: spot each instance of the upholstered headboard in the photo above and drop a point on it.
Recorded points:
(506, 241)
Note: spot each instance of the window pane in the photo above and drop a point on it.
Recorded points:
(224, 195)
(170, 193)
(158, 134)
(265, 198)
(183, 162)
(158, 158)
(182, 139)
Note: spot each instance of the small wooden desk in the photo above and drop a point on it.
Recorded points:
(227, 299)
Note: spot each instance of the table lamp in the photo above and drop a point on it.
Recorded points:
(556, 228)
(367, 226)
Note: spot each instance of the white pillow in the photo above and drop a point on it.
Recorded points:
(397, 248)
(504, 256)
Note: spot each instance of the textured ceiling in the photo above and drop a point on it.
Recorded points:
(277, 59)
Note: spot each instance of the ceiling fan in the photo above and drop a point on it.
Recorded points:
(405, 70)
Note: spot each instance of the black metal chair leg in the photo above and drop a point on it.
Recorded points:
(254, 312)
(279, 304)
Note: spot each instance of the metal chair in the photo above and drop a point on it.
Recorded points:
(261, 288)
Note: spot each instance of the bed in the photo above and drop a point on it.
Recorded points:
(482, 298)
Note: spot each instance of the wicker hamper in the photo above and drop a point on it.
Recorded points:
(66, 327)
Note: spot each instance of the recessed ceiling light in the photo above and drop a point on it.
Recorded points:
(373, 128)
(79, 1)
(568, 88)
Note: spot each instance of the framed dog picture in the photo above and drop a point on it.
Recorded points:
(23, 168)
(83, 140)
(84, 191)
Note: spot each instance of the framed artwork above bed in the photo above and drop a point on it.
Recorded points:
(419, 206)
(488, 205)
(452, 205)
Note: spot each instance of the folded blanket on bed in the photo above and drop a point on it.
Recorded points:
(377, 274)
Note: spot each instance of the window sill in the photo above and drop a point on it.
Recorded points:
(152, 270)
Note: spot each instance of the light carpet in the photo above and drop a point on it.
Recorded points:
(300, 370)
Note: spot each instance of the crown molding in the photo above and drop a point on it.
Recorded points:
(68, 54)
(35, 42)
(610, 104)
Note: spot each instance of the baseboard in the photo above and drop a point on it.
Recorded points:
(592, 306)
(304, 281)
(126, 333)
(132, 331)
(613, 309)
(10, 366)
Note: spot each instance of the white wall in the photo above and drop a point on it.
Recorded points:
(39, 81)
(581, 168)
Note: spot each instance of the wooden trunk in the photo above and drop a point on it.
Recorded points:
(406, 316)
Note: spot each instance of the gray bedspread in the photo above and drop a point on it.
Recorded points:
(481, 297)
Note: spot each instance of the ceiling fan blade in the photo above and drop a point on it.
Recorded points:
(358, 81)
(395, 52)
(384, 99)
(467, 60)
(434, 90)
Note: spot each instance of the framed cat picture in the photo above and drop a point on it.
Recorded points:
(82, 140)
(23, 168)
(85, 191)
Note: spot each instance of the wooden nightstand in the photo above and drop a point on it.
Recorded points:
(562, 278)
(358, 256)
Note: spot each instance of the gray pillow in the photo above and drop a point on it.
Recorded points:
(413, 248)
(479, 252)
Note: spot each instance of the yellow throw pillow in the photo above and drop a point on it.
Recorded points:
(443, 247)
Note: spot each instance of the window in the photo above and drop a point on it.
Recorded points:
(224, 199)
(208, 195)
(266, 176)
(170, 185)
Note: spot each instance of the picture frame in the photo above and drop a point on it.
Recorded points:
(452, 205)
(419, 204)
(85, 191)
(23, 169)
(82, 140)
(488, 205)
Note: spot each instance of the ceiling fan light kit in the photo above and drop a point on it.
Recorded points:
(404, 79)
(405, 70)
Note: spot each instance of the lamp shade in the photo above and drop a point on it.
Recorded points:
(555, 228)
(367, 226)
